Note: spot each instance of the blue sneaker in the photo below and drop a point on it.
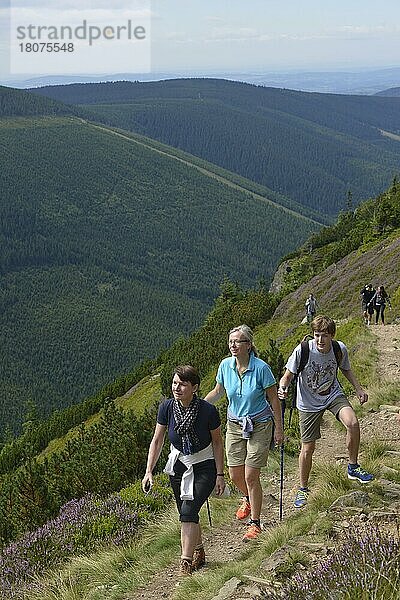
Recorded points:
(301, 497)
(356, 472)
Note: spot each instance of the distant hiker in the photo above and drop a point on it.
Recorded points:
(378, 302)
(318, 390)
(251, 390)
(367, 293)
(196, 461)
(311, 307)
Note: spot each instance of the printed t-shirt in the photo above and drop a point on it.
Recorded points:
(246, 393)
(207, 420)
(317, 384)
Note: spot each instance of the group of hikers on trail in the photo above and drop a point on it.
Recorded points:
(254, 421)
(374, 301)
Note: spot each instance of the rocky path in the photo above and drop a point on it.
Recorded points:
(224, 543)
(388, 344)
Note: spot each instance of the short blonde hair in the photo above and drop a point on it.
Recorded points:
(248, 334)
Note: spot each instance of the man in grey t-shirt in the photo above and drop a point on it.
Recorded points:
(318, 389)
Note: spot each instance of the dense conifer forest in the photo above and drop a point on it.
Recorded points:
(110, 250)
(20, 103)
(312, 148)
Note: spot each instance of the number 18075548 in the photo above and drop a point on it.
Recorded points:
(39, 47)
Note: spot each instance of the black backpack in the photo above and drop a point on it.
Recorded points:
(304, 356)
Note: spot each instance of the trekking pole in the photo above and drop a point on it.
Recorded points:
(209, 512)
(293, 404)
(281, 463)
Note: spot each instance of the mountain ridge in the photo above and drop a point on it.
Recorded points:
(310, 147)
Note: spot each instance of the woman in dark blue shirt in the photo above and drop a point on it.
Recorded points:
(195, 463)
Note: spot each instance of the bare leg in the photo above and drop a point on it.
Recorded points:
(190, 536)
(348, 417)
(305, 462)
(238, 477)
(252, 476)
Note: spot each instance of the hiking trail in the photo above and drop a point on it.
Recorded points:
(224, 543)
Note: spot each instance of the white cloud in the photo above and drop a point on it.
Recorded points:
(213, 19)
(231, 34)
(368, 29)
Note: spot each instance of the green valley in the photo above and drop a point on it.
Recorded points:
(111, 248)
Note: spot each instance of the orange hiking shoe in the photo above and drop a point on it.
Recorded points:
(244, 510)
(252, 532)
(199, 559)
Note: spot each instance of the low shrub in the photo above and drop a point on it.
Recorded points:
(365, 566)
(82, 526)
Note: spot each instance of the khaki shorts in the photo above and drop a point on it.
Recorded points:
(252, 452)
(310, 422)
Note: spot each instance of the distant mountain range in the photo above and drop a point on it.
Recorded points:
(391, 92)
(365, 81)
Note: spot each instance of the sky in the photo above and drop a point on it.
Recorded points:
(275, 34)
(211, 36)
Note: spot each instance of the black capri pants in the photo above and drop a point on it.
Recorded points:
(205, 474)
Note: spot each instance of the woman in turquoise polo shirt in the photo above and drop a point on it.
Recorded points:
(253, 405)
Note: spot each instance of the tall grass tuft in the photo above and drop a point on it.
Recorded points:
(331, 481)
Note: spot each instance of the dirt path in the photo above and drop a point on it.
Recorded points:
(388, 344)
(224, 543)
(383, 426)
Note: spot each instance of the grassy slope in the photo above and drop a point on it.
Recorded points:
(337, 289)
(338, 292)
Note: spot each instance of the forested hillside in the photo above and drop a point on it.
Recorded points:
(20, 103)
(109, 450)
(111, 249)
(312, 148)
(374, 219)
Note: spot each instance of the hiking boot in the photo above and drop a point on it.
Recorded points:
(244, 510)
(252, 532)
(356, 472)
(199, 559)
(185, 567)
(301, 498)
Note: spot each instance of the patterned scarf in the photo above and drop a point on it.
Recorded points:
(184, 421)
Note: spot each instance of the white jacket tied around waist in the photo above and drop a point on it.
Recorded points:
(188, 460)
